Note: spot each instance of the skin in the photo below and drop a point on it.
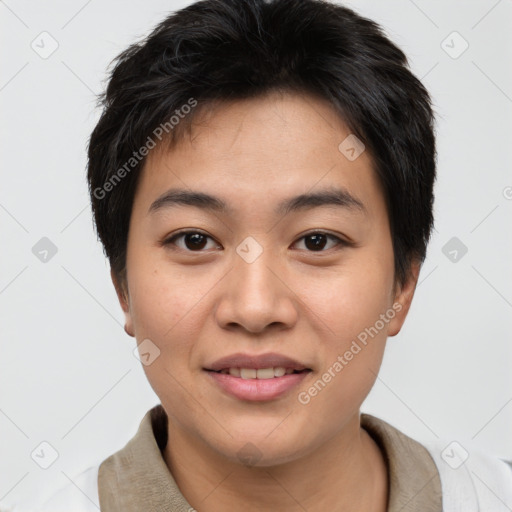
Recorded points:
(198, 305)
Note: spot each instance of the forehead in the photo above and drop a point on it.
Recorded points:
(255, 152)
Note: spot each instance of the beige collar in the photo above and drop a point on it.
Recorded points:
(136, 477)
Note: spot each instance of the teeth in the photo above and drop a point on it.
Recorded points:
(248, 373)
(262, 373)
(265, 373)
(279, 372)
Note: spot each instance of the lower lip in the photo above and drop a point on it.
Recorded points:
(257, 389)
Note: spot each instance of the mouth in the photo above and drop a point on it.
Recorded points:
(257, 377)
(259, 373)
(257, 385)
(268, 365)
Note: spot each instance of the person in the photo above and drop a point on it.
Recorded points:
(261, 179)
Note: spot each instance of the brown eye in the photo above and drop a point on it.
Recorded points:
(316, 242)
(192, 241)
(195, 241)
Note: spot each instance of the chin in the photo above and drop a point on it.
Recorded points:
(262, 451)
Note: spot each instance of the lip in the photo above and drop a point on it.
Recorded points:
(268, 360)
(257, 390)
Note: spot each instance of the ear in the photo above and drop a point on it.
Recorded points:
(403, 298)
(124, 301)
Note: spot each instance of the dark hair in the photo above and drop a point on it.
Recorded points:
(219, 50)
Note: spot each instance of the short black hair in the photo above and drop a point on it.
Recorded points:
(221, 50)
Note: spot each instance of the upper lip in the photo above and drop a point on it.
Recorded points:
(269, 360)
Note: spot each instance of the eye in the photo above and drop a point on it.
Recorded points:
(316, 241)
(194, 241)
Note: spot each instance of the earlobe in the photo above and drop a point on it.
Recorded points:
(403, 299)
(124, 302)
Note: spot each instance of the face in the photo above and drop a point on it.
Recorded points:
(310, 280)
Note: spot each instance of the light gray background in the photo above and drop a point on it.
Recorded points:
(67, 372)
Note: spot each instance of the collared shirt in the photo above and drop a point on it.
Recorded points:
(136, 478)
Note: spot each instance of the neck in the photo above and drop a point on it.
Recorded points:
(347, 472)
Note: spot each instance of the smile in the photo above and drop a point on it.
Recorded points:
(262, 384)
(260, 373)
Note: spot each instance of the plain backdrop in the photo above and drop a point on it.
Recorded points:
(68, 376)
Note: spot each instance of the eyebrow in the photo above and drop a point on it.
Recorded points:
(337, 197)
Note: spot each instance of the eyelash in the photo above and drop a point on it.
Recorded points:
(340, 242)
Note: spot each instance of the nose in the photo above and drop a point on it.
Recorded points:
(256, 296)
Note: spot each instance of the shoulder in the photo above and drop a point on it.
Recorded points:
(467, 478)
(80, 494)
(471, 478)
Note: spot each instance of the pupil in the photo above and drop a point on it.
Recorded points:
(319, 241)
(195, 239)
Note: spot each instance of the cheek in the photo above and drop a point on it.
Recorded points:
(349, 299)
(169, 318)
(351, 360)
(166, 300)
(350, 304)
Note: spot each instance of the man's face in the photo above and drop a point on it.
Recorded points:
(313, 283)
